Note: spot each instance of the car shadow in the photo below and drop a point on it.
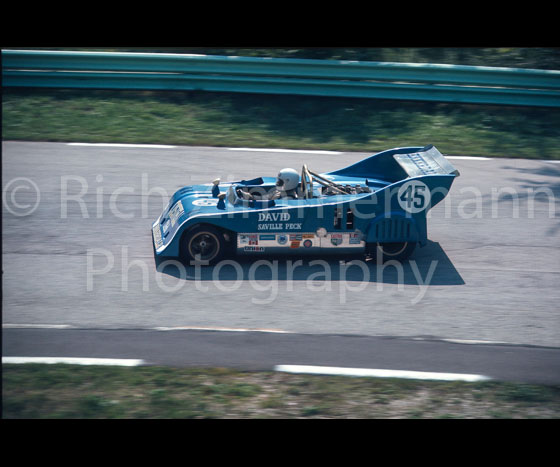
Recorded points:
(546, 192)
(429, 265)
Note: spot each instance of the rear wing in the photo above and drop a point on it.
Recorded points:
(427, 161)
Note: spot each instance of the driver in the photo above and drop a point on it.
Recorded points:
(286, 185)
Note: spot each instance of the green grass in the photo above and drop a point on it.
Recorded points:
(298, 122)
(67, 391)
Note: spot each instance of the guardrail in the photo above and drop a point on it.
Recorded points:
(384, 80)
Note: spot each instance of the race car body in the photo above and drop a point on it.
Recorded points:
(377, 205)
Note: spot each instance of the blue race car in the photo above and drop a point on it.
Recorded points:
(376, 207)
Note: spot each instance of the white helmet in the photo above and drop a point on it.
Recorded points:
(288, 179)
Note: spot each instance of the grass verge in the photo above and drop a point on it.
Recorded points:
(73, 391)
(297, 122)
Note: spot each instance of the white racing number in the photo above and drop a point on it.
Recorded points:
(414, 196)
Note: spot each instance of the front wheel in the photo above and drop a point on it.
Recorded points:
(203, 243)
(397, 251)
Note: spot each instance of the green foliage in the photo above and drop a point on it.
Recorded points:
(71, 391)
(300, 122)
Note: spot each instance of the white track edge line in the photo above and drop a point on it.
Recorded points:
(470, 158)
(300, 151)
(201, 328)
(37, 326)
(311, 151)
(122, 145)
(158, 328)
(297, 151)
(74, 361)
(379, 373)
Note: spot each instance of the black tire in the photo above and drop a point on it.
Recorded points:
(203, 243)
(398, 251)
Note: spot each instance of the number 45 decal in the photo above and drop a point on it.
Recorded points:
(414, 196)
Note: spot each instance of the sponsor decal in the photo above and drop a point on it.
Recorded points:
(158, 241)
(166, 225)
(253, 239)
(295, 237)
(175, 212)
(354, 238)
(308, 243)
(294, 244)
(282, 239)
(336, 239)
(243, 239)
(267, 237)
(258, 249)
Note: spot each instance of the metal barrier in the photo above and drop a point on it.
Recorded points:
(382, 80)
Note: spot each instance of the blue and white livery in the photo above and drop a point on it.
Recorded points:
(377, 207)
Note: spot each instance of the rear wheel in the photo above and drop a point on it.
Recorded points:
(203, 243)
(397, 251)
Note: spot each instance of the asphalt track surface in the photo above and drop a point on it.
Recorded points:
(481, 297)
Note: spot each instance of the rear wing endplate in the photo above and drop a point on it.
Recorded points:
(427, 161)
